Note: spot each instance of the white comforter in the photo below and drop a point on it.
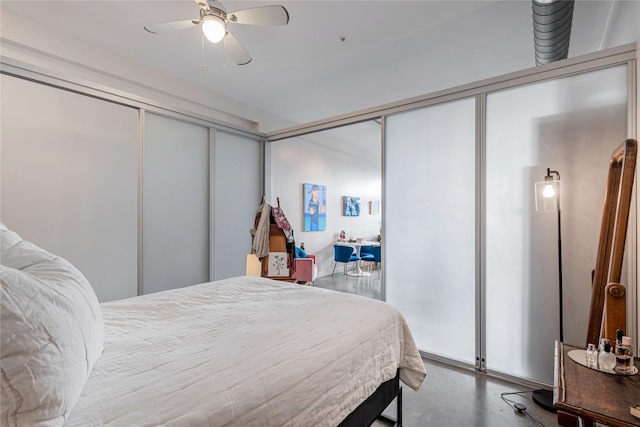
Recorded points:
(244, 352)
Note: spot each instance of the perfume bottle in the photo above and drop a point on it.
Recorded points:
(603, 342)
(606, 359)
(624, 356)
(592, 357)
(619, 335)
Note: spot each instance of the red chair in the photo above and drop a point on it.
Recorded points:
(306, 269)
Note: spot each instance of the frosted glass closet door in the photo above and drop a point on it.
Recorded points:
(570, 125)
(175, 224)
(429, 231)
(238, 189)
(69, 180)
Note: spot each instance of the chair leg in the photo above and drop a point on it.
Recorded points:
(334, 268)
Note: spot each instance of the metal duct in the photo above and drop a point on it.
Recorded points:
(551, 29)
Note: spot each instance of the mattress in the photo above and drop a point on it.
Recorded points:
(244, 352)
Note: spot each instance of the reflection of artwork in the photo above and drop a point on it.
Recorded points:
(314, 207)
(278, 264)
(351, 206)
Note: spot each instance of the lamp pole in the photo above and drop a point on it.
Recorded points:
(542, 397)
(549, 176)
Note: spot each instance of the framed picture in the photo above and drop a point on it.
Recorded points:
(350, 206)
(278, 264)
(314, 207)
(374, 208)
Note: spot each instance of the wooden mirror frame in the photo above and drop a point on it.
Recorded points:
(613, 234)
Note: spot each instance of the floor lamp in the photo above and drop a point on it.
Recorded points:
(548, 200)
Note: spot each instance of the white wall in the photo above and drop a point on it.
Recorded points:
(624, 24)
(345, 173)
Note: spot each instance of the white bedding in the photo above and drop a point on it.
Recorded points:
(244, 352)
(51, 334)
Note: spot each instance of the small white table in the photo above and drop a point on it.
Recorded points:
(357, 246)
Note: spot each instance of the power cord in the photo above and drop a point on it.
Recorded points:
(518, 407)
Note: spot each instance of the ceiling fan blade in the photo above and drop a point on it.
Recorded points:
(236, 50)
(203, 4)
(264, 15)
(171, 26)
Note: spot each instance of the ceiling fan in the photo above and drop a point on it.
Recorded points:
(214, 19)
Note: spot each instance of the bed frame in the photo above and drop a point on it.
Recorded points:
(371, 409)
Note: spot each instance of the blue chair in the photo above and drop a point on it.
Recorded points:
(366, 254)
(344, 254)
(377, 256)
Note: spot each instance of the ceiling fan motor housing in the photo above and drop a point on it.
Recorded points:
(219, 13)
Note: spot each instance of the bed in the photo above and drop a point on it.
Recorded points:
(244, 351)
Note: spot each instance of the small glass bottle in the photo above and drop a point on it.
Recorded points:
(592, 357)
(619, 335)
(624, 356)
(606, 359)
(603, 342)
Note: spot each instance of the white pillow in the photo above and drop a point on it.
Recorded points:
(52, 333)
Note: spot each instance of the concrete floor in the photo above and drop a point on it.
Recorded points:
(451, 396)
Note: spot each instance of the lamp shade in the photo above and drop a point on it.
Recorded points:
(213, 28)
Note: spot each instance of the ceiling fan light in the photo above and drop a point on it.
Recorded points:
(213, 28)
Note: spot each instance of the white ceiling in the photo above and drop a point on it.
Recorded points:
(302, 71)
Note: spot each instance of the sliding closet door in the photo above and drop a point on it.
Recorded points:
(69, 180)
(570, 125)
(175, 208)
(429, 227)
(238, 189)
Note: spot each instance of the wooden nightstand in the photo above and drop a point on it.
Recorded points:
(585, 394)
